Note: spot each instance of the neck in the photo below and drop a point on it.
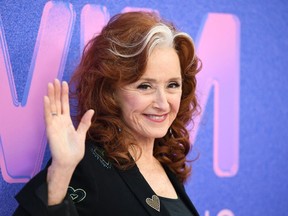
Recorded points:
(146, 155)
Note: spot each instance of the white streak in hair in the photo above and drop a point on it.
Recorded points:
(159, 35)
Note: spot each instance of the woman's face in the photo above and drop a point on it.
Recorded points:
(150, 105)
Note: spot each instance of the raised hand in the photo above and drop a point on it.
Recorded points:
(66, 143)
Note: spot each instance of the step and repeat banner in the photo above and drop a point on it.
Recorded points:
(240, 138)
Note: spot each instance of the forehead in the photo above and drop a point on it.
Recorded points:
(162, 63)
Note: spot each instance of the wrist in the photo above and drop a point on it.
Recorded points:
(58, 179)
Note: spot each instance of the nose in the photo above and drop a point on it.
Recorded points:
(161, 100)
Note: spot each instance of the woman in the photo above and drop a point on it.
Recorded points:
(135, 91)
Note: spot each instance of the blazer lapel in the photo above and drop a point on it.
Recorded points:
(181, 191)
(142, 191)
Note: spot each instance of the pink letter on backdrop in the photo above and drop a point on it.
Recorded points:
(218, 48)
(93, 19)
(131, 9)
(22, 131)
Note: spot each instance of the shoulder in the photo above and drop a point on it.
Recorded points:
(85, 187)
(96, 154)
(93, 167)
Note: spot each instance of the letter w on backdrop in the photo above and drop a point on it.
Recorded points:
(22, 132)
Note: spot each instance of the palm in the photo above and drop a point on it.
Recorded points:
(67, 144)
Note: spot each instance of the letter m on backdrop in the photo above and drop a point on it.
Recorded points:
(218, 46)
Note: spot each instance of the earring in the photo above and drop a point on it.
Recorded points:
(171, 132)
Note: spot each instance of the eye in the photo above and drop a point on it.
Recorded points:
(174, 85)
(144, 86)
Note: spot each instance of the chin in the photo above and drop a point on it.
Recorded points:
(159, 135)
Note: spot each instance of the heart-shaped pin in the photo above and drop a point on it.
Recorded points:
(154, 202)
(77, 195)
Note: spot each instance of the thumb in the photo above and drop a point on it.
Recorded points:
(85, 122)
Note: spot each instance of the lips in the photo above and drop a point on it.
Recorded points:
(156, 118)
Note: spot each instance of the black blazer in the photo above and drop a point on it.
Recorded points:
(97, 188)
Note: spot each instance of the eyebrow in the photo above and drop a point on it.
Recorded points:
(154, 80)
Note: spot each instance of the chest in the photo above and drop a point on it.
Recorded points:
(109, 191)
(158, 180)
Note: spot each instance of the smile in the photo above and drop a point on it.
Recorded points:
(157, 118)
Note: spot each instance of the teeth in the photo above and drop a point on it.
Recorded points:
(156, 117)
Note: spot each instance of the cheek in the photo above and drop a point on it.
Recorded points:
(130, 104)
(176, 100)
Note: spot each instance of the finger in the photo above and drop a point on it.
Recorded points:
(47, 110)
(65, 98)
(51, 97)
(85, 122)
(57, 95)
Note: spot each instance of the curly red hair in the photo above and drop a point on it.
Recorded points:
(118, 56)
